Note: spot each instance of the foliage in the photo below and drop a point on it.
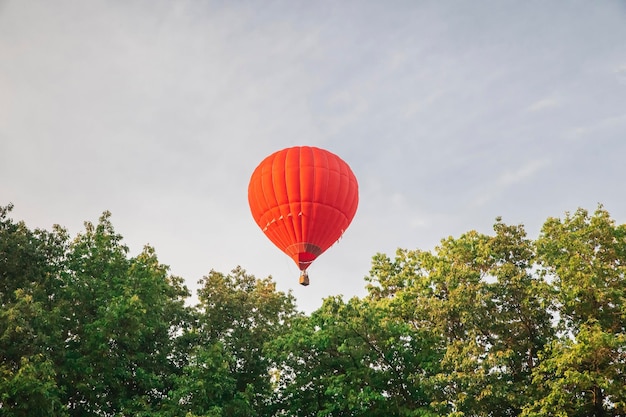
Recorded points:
(354, 359)
(230, 368)
(478, 297)
(583, 371)
(483, 325)
(29, 318)
(122, 316)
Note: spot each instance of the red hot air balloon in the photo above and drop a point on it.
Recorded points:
(303, 198)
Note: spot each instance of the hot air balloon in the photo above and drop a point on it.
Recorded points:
(303, 198)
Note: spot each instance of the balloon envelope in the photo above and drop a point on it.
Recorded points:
(303, 198)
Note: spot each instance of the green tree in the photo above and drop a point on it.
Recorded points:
(229, 371)
(30, 262)
(84, 329)
(122, 316)
(477, 295)
(354, 359)
(582, 372)
(483, 325)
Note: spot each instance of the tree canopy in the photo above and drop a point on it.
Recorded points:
(481, 325)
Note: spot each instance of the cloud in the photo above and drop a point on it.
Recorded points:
(620, 74)
(523, 173)
(159, 111)
(509, 178)
(543, 104)
(611, 127)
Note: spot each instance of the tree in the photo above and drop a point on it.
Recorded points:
(354, 359)
(483, 325)
(477, 295)
(582, 372)
(30, 262)
(230, 369)
(122, 317)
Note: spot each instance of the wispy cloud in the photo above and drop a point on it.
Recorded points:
(509, 178)
(609, 124)
(543, 104)
(448, 114)
(522, 173)
(620, 74)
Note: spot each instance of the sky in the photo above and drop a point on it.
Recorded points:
(449, 113)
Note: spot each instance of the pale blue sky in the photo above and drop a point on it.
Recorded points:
(450, 114)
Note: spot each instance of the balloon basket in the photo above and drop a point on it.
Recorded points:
(304, 279)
